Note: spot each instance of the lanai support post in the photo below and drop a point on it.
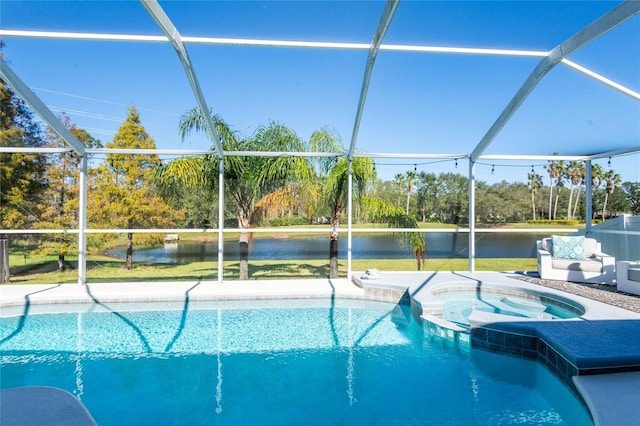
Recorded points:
(82, 222)
(221, 221)
(588, 194)
(349, 217)
(472, 216)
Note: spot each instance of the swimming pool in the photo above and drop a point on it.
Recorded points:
(273, 362)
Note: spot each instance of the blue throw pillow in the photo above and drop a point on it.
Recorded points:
(565, 247)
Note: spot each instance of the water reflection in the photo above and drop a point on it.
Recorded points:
(439, 246)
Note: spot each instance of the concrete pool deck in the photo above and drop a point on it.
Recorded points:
(613, 332)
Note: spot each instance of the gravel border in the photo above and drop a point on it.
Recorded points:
(600, 292)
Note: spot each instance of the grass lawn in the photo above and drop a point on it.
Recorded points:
(29, 269)
(104, 269)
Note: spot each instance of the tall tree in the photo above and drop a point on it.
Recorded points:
(596, 179)
(560, 176)
(535, 184)
(399, 180)
(453, 197)
(572, 174)
(21, 174)
(579, 172)
(612, 182)
(411, 178)
(426, 194)
(60, 204)
(246, 178)
(124, 196)
(553, 168)
(333, 177)
(632, 191)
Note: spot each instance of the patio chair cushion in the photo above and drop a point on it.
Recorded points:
(566, 247)
(584, 265)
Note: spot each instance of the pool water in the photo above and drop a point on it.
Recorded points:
(459, 304)
(309, 362)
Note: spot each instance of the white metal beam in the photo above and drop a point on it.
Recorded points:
(32, 149)
(39, 107)
(619, 87)
(390, 155)
(163, 21)
(224, 41)
(613, 18)
(381, 30)
(615, 153)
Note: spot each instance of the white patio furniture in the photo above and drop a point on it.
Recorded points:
(628, 276)
(575, 258)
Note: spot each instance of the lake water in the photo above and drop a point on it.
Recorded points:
(439, 246)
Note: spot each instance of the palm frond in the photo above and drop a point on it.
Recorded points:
(384, 211)
(325, 140)
(187, 171)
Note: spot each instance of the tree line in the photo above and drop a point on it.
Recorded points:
(444, 197)
(127, 191)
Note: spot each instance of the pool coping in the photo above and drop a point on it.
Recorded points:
(596, 389)
(19, 296)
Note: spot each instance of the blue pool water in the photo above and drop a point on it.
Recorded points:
(298, 362)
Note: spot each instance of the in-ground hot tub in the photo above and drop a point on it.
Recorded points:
(459, 301)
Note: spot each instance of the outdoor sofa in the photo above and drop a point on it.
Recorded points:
(574, 258)
(628, 276)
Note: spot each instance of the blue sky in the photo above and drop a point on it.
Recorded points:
(417, 103)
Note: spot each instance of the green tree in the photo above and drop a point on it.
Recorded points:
(554, 168)
(632, 192)
(333, 175)
(426, 194)
(385, 211)
(559, 185)
(246, 178)
(399, 180)
(124, 196)
(21, 174)
(384, 190)
(535, 184)
(578, 176)
(596, 179)
(619, 200)
(612, 182)
(453, 197)
(573, 175)
(411, 177)
(60, 203)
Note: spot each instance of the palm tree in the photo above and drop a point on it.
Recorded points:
(572, 173)
(399, 180)
(535, 183)
(333, 175)
(385, 211)
(560, 174)
(612, 182)
(553, 168)
(411, 177)
(579, 172)
(246, 178)
(596, 179)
